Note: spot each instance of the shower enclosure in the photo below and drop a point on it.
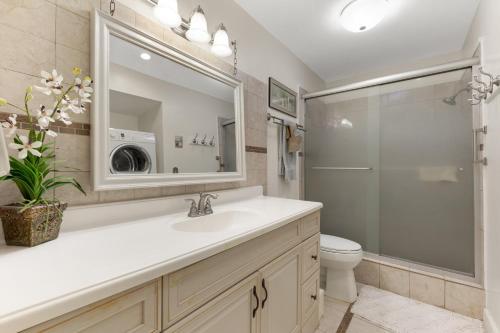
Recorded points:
(394, 165)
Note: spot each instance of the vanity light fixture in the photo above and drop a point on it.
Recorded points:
(195, 30)
(166, 12)
(220, 44)
(362, 15)
(145, 56)
(198, 31)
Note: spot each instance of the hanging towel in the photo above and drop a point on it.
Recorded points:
(294, 141)
(286, 160)
(438, 174)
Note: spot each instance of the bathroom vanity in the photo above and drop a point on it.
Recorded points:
(252, 266)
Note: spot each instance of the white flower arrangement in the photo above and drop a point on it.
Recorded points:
(31, 170)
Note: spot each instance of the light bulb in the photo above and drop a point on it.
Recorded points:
(167, 13)
(198, 31)
(220, 46)
(145, 56)
(362, 15)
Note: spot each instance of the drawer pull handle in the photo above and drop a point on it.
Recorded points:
(265, 289)
(314, 297)
(314, 257)
(254, 311)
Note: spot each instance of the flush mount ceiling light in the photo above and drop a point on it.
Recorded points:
(167, 13)
(198, 31)
(362, 15)
(220, 45)
(145, 56)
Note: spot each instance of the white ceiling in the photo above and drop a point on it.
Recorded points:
(414, 29)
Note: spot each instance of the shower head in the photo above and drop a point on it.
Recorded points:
(452, 100)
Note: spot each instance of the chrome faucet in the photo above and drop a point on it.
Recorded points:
(204, 206)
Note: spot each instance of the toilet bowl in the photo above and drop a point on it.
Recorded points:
(340, 256)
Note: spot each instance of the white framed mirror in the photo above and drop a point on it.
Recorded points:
(160, 117)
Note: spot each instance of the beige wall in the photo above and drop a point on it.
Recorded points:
(46, 34)
(486, 27)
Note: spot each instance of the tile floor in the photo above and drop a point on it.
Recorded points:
(379, 311)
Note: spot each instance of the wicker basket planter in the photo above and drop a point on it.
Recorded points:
(33, 226)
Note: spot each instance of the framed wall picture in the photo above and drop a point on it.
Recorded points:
(282, 98)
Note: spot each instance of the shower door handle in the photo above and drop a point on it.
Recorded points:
(343, 168)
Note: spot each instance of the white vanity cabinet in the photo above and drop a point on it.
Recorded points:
(269, 284)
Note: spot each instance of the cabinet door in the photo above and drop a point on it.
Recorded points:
(133, 311)
(236, 310)
(280, 286)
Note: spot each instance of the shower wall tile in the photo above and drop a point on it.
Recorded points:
(395, 280)
(427, 289)
(368, 272)
(465, 300)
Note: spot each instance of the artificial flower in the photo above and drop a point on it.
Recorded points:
(83, 88)
(52, 83)
(51, 133)
(11, 123)
(26, 146)
(3, 101)
(77, 71)
(44, 116)
(62, 116)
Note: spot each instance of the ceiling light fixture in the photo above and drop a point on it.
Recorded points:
(145, 56)
(362, 15)
(166, 12)
(198, 31)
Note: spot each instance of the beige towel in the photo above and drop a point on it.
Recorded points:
(294, 141)
(438, 174)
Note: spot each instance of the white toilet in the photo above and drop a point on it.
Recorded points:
(340, 256)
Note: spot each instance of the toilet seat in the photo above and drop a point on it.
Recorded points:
(335, 244)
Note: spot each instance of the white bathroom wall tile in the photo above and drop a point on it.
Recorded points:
(149, 26)
(72, 30)
(36, 17)
(174, 190)
(368, 272)
(73, 152)
(147, 193)
(12, 88)
(116, 195)
(465, 300)
(427, 289)
(37, 54)
(9, 193)
(80, 7)
(395, 280)
(74, 197)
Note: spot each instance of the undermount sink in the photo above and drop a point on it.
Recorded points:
(216, 222)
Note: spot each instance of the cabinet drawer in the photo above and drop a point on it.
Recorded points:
(137, 310)
(191, 287)
(310, 225)
(310, 257)
(310, 295)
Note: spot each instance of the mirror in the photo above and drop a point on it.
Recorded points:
(165, 118)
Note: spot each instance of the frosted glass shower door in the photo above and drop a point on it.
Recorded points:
(393, 166)
(341, 149)
(426, 171)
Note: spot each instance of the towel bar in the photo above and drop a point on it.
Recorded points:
(342, 168)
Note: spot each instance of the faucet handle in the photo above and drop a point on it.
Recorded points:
(193, 210)
(208, 207)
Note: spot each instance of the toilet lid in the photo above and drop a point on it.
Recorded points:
(337, 244)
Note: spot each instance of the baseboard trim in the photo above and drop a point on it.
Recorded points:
(489, 323)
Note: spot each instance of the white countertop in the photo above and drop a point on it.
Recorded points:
(86, 264)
